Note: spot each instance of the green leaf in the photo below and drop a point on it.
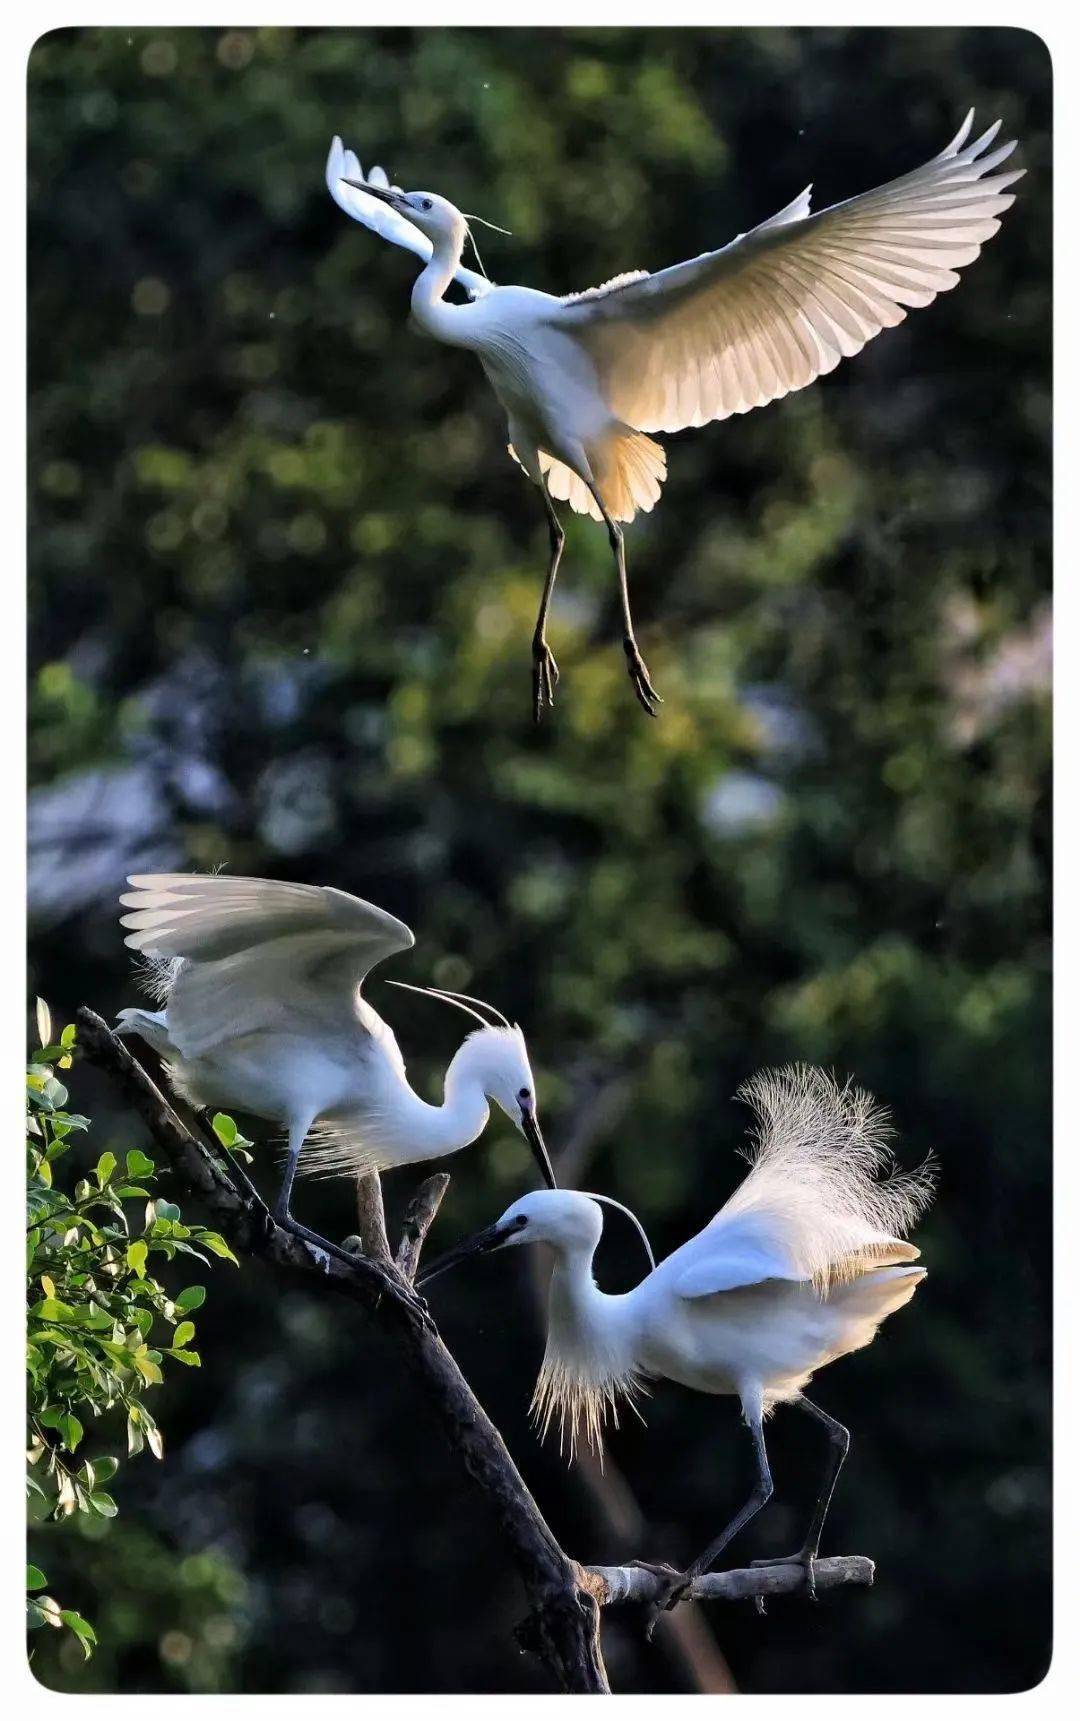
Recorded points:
(72, 1430)
(106, 1165)
(183, 1335)
(69, 1036)
(138, 1165)
(136, 1257)
(82, 1628)
(104, 1468)
(224, 1128)
(104, 1505)
(192, 1358)
(166, 1209)
(193, 1298)
(35, 1578)
(127, 1190)
(218, 1246)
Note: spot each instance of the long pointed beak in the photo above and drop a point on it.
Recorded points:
(530, 1129)
(480, 1243)
(382, 192)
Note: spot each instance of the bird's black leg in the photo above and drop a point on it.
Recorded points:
(545, 669)
(648, 698)
(282, 1214)
(839, 1444)
(678, 1584)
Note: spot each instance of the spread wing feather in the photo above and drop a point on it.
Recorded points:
(243, 946)
(783, 304)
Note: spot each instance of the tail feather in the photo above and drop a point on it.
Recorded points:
(629, 469)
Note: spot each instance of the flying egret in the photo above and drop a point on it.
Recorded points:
(261, 986)
(584, 378)
(800, 1266)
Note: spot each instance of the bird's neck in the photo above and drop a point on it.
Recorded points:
(449, 323)
(429, 1131)
(590, 1358)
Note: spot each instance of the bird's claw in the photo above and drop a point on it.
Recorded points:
(673, 1585)
(806, 1560)
(545, 678)
(647, 696)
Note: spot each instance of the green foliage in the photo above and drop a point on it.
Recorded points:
(99, 1324)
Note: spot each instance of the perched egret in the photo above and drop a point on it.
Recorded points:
(261, 986)
(800, 1266)
(583, 378)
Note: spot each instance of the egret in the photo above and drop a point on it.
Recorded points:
(261, 984)
(584, 379)
(799, 1267)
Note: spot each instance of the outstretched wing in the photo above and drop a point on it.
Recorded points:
(342, 164)
(249, 948)
(780, 306)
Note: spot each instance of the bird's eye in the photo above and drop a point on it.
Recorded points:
(521, 1221)
(524, 1094)
(425, 203)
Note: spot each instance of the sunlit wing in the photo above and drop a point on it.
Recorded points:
(729, 1253)
(342, 164)
(251, 946)
(782, 305)
(747, 1248)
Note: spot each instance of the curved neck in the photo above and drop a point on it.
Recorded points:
(429, 310)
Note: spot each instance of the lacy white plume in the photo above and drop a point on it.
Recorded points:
(582, 1399)
(821, 1174)
(156, 975)
(336, 1150)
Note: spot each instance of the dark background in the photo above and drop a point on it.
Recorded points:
(283, 581)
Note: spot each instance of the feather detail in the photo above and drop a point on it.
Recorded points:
(581, 1401)
(821, 1176)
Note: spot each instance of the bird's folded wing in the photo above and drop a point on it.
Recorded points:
(779, 306)
(341, 165)
(742, 1250)
(251, 947)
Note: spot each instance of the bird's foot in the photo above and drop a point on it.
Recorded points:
(545, 678)
(804, 1558)
(647, 696)
(673, 1585)
(317, 1244)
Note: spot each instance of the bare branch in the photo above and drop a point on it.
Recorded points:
(614, 1584)
(371, 1217)
(419, 1218)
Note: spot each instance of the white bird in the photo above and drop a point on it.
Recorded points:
(800, 1266)
(263, 1011)
(584, 379)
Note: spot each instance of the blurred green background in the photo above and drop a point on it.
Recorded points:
(283, 582)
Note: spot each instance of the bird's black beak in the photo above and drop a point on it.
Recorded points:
(382, 192)
(530, 1129)
(481, 1243)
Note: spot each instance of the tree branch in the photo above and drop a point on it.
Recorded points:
(615, 1584)
(419, 1218)
(563, 1626)
(371, 1217)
